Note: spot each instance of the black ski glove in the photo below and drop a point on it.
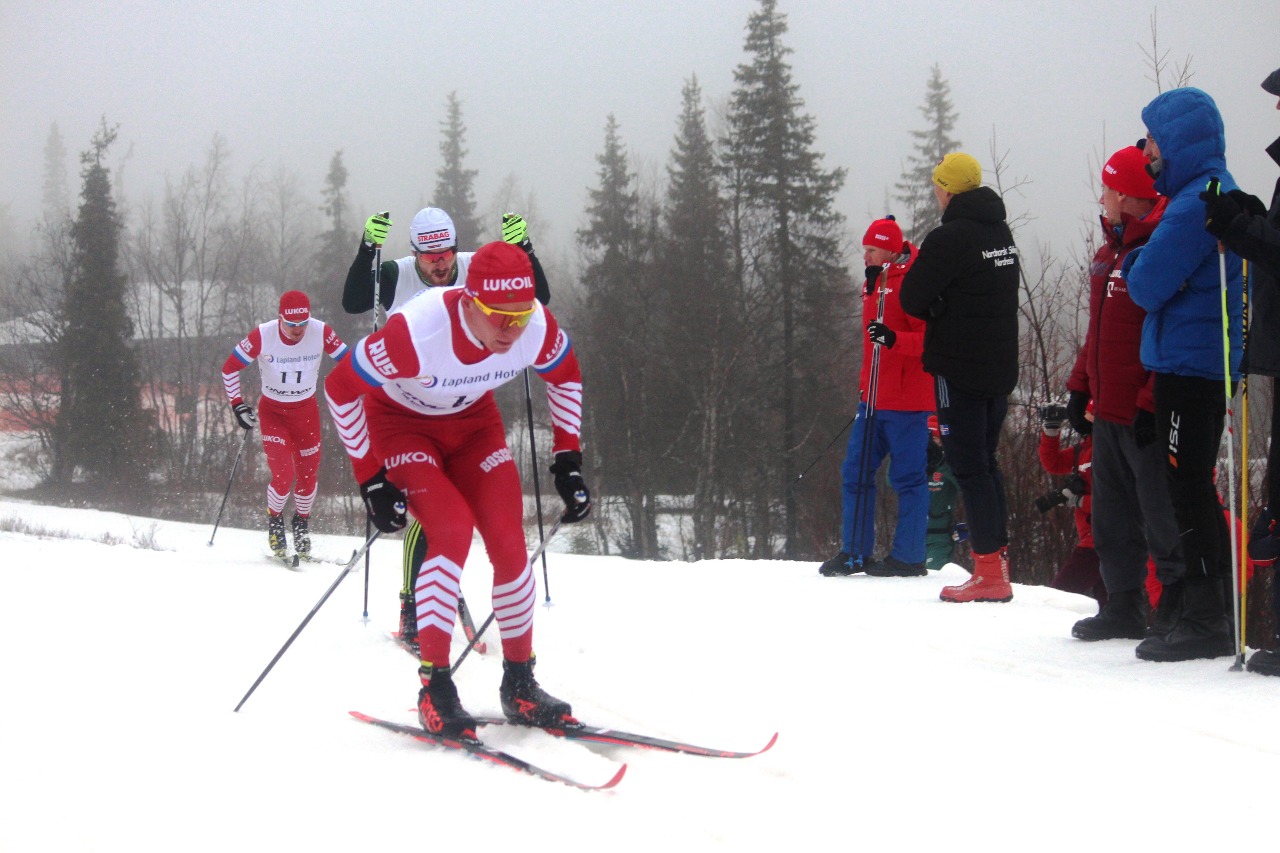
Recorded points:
(1051, 418)
(383, 502)
(1144, 427)
(879, 333)
(572, 488)
(244, 415)
(1076, 405)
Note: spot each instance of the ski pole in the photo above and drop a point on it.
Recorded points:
(800, 476)
(377, 296)
(528, 565)
(860, 504)
(230, 480)
(1246, 470)
(1231, 466)
(364, 550)
(537, 489)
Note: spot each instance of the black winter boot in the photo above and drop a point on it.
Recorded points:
(1167, 610)
(409, 620)
(439, 710)
(840, 566)
(523, 701)
(1123, 617)
(275, 535)
(1202, 629)
(301, 535)
(892, 567)
(1264, 662)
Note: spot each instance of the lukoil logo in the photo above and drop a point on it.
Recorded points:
(523, 282)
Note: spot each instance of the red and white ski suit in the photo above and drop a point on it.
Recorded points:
(288, 415)
(416, 398)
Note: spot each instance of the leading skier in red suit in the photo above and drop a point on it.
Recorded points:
(415, 409)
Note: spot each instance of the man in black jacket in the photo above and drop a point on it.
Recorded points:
(1252, 231)
(964, 284)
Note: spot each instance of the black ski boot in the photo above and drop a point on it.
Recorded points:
(1123, 617)
(275, 536)
(892, 567)
(1202, 629)
(523, 701)
(840, 566)
(1167, 610)
(1264, 662)
(301, 536)
(439, 710)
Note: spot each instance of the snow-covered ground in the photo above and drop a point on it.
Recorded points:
(905, 723)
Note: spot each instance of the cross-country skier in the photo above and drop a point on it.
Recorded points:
(288, 351)
(434, 261)
(415, 409)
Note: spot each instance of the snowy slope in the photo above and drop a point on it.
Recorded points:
(906, 723)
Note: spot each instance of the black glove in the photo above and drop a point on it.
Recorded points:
(879, 333)
(1052, 418)
(383, 502)
(1075, 490)
(1076, 405)
(873, 273)
(1144, 427)
(1219, 210)
(244, 415)
(571, 486)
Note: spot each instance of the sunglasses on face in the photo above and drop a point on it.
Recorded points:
(437, 257)
(502, 319)
(296, 325)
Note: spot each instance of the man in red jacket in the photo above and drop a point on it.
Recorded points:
(1132, 509)
(899, 424)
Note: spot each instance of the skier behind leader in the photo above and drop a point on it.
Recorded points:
(434, 262)
(414, 406)
(288, 351)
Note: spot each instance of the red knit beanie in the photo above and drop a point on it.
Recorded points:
(1126, 173)
(884, 234)
(295, 306)
(500, 273)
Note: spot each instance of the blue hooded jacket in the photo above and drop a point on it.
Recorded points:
(1176, 276)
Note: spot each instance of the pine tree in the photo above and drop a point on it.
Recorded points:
(931, 145)
(335, 250)
(788, 243)
(455, 184)
(615, 332)
(106, 431)
(703, 325)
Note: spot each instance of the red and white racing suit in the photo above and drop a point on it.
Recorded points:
(288, 415)
(416, 398)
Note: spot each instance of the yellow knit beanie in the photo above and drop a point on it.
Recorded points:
(958, 173)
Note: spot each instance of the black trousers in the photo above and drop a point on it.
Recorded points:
(1190, 413)
(970, 427)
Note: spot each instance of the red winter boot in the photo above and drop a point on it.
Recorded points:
(990, 580)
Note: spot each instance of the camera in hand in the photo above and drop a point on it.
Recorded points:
(1053, 416)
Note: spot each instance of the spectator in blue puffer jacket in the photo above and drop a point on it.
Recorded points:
(1176, 279)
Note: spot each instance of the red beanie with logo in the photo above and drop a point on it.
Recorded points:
(884, 234)
(1126, 173)
(295, 306)
(500, 273)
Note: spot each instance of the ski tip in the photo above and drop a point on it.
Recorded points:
(362, 717)
(617, 777)
(768, 746)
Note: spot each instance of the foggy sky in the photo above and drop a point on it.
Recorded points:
(1060, 84)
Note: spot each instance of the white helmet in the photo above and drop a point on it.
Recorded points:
(432, 231)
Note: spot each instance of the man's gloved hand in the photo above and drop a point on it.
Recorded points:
(1075, 490)
(572, 488)
(879, 333)
(376, 228)
(1077, 404)
(1052, 418)
(244, 415)
(516, 231)
(1144, 427)
(1219, 210)
(383, 502)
